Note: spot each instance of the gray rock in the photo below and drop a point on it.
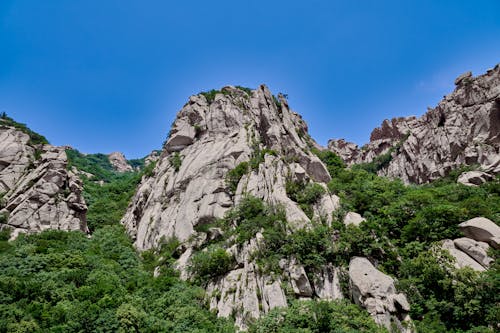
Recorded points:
(39, 192)
(474, 178)
(375, 291)
(476, 250)
(353, 218)
(483, 230)
(461, 258)
(232, 129)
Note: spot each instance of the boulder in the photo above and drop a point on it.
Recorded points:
(473, 178)
(483, 230)
(353, 218)
(475, 250)
(375, 291)
(461, 258)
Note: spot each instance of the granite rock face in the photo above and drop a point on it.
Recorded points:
(38, 192)
(464, 129)
(207, 140)
(188, 187)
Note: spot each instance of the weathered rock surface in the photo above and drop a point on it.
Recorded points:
(476, 250)
(483, 230)
(38, 192)
(462, 259)
(376, 292)
(188, 187)
(119, 162)
(353, 218)
(231, 129)
(474, 178)
(464, 129)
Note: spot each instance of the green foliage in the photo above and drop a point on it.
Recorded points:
(233, 176)
(277, 102)
(251, 216)
(65, 282)
(211, 263)
(210, 95)
(96, 164)
(138, 163)
(107, 192)
(175, 160)
(4, 217)
(305, 195)
(35, 138)
(148, 170)
(108, 202)
(403, 223)
(332, 161)
(316, 317)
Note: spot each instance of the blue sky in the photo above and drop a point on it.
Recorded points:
(110, 75)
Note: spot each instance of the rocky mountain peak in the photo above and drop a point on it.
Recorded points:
(224, 146)
(119, 162)
(463, 129)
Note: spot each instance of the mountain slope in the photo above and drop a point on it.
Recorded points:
(464, 129)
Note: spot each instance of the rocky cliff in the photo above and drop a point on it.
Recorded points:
(223, 147)
(37, 191)
(464, 129)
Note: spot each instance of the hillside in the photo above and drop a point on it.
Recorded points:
(243, 222)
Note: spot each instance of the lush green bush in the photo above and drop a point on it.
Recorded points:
(175, 160)
(211, 263)
(316, 317)
(233, 176)
(305, 194)
(332, 161)
(65, 282)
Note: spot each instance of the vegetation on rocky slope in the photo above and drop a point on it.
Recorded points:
(59, 281)
(35, 138)
(106, 192)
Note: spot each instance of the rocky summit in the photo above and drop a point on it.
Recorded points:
(242, 222)
(462, 130)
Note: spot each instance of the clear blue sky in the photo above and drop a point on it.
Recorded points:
(111, 75)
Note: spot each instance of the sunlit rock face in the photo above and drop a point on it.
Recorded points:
(38, 192)
(463, 129)
(188, 187)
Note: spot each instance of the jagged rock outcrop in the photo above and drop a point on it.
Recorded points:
(376, 292)
(464, 129)
(207, 140)
(189, 187)
(38, 193)
(119, 162)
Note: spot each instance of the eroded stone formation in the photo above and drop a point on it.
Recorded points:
(38, 193)
(189, 188)
(464, 129)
